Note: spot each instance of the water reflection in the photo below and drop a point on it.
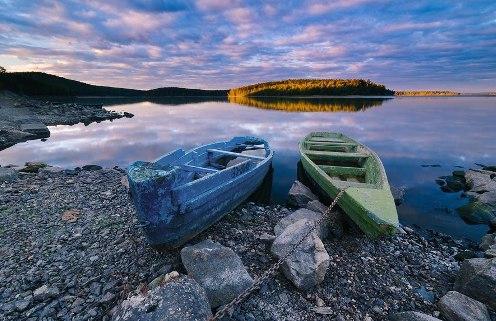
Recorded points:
(309, 104)
(405, 132)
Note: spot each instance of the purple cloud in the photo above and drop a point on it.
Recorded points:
(220, 44)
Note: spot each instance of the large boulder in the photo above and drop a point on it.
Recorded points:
(301, 214)
(480, 181)
(316, 206)
(307, 266)
(412, 316)
(455, 306)
(477, 212)
(477, 279)
(218, 269)
(300, 195)
(180, 299)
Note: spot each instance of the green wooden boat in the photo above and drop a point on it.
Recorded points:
(334, 162)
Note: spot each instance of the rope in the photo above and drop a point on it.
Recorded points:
(274, 268)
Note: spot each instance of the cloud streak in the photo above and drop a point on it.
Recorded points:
(221, 44)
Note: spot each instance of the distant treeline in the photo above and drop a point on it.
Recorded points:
(426, 93)
(42, 84)
(313, 87)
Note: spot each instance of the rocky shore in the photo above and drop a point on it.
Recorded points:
(23, 118)
(71, 250)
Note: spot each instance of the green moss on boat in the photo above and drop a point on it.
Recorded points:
(335, 161)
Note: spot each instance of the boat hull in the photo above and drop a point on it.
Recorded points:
(370, 206)
(183, 193)
(202, 214)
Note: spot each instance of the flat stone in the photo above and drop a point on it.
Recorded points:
(480, 181)
(36, 128)
(217, 269)
(91, 167)
(455, 306)
(307, 266)
(180, 299)
(412, 316)
(300, 195)
(477, 279)
(8, 174)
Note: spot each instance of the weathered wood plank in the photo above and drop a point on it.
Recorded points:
(343, 170)
(224, 152)
(193, 189)
(335, 154)
(193, 168)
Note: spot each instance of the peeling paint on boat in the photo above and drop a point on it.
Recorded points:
(335, 161)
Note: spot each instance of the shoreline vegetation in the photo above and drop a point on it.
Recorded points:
(313, 87)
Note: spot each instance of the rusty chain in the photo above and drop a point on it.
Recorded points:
(274, 268)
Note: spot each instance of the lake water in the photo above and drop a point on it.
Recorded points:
(406, 133)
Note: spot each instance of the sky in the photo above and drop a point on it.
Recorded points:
(217, 44)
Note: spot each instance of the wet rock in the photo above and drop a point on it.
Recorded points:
(459, 173)
(452, 184)
(300, 214)
(412, 316)
(181, 299)
(398, 194)
(455, 306)
(8, 174)
(307, 266)
(464, 255)
(490, 252)
(91, 167)
(477, 279)
(477, 213)
(300, 195)
(218, 269)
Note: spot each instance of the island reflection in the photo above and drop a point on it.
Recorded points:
(302, 104)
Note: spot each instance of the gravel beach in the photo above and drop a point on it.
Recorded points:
(71, 250)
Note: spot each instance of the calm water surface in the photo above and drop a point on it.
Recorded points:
(405, 132)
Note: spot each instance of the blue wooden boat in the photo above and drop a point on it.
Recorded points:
(182, 193)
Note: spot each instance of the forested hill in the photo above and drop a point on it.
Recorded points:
(42, 84)
(313, 87)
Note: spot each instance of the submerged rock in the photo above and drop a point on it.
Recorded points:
(455, 306)
(300, 195)
(218, 269)
(412, 316)
(477, 212)
(477, 279)
(307, 266)
(180, 299)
